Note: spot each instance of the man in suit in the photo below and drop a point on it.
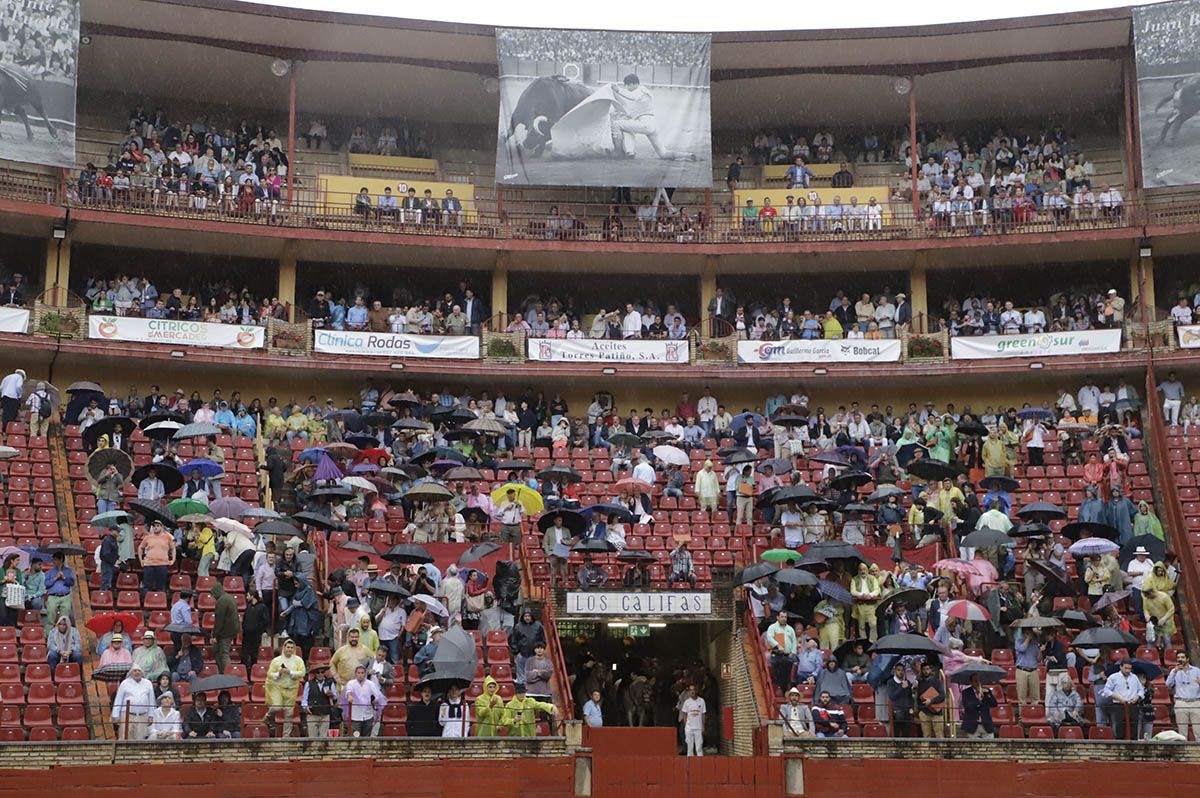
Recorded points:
(720, 310)
(472, 306)
(636, 424)
(451, 210)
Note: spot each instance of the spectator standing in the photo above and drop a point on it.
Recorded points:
(1172, 393)
(1125, 691)
(226, 625)
(132, 705)
(59, 581)
(1184, 683)
(284, 675)
(593, 713)
(12, 390)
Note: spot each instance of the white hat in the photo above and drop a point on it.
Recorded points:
(1112, 291)
(1141, 550)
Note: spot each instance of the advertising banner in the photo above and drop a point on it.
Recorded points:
(819, 351)
(14, 320)
(176, 333)
(1189, 336)
(603, 350)
(39, 66)
(1086, 342)
(374, 344)
(658, 603)
(1166, 46)
(603, 108)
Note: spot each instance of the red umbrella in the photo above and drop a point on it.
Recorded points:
(379, 457)
(629, 483)
(102, 622)
(966, 611)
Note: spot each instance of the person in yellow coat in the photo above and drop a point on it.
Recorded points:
(1158, 601)
(866, 592)
(367, 635)
(489, 709)
(520, 714)
(284, 677)
(829, 619)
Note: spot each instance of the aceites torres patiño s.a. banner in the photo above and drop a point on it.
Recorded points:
(603, 350)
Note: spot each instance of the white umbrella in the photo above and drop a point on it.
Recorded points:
(432, 603)
(359, 483)
(671, 455)
(8, 453)
(230, 525)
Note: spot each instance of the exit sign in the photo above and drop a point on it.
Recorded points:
(639, 630)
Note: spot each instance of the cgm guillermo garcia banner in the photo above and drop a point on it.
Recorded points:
(373, 344)
(1086, 342)
(603, 350)
(819, 351)
(177, 333)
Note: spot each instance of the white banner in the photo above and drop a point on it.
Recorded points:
(14, 320)
(603, 350)
(374, 344)
(1189, 336)
(176, 333)
(662, 603)
(1085, 342)
(856, 350)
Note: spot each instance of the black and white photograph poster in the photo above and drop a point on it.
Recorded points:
(604, 108)
(1166, 43)
(39, 60)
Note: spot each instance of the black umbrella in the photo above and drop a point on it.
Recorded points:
(278, 528)
(152, 511)
(639, 556)
(932, 470)
(1076, 619)
(905, 644)
(406, 399)
(988, 674)
(183, 629)
(1039, 622)
(847, 647)
(830, 550)
(216, 683)
(454, 662)
(572, 520)
(334, 492)
(1054, 577)
(971, 428)
(984, 537)
(84, 387)
(475, 515)
(753, 573)
(1154, 546)
(912, 598)
(66, 549)
(317, 520)
(560, 473)
(410, 470)
(788, 420)
(460, 434)
(514, 465)
(741, 456)
(779, 465)
(172, 480)
(439, 453)
(796, 576)
(1006, 484)
(1140, 666)
(657, 435)
(409, 553)
(813, 564)
(883, 493)
(849, 479)
(794, 493)
(361, 441)
(594, 546)
(605, 510)
(907, 452)
(103, 458)
(477, 552)
(859, 507)
(1041, 511)
(359, 546)
(411, 424)
(1031, 530)
(1104, 636)
(105, 426)
(1108, 599)
(1089, 529)
(377, 419)
(623, 438)
(385, 586)
(451, 415)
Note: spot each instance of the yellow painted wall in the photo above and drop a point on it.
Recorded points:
(398, 163)
(778, 197)
(338, 191)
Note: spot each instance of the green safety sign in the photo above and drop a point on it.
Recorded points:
(639, 630)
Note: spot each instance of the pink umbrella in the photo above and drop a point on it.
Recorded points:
(987, 574)
(957, 566)
(966, 611)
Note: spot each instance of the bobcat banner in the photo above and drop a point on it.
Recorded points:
(603, 108)
(39, 65)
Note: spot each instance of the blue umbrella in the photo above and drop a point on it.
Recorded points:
(1035, 412)
(834, 592)
(312, 455)
(1142, 666)
(207, 468)
(1093, 547)
(739, 421)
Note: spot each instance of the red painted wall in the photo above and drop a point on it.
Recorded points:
(609, 741)
(683, 777)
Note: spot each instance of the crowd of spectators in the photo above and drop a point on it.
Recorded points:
(13, 290)
(40, 37)
(981, 315)
(218, 303)
(600, 47)
(392, 139)
(457, 312)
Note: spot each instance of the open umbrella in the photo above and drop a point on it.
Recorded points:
(462, 474)
(413, 424)
(111, 519)
(84, 385)
(639, 556)
(22, 556)
(333, 492)
(527, 497)
(171, 479)
(1140, 666)
(1030, 530)
(830, 550)
(932, 470)
(906, 453)
(65, 549)
(883, 493)
(1109, 599)
(312, 454)
(452, 415)
(477, 552)
(359, 483)
(740, 421)
(672, 455)
(912, 598)
(740, 456)
(342, 449)
(594, 546)
(228, 507)
(967, 611)
(390, 588)
(1104, 636)
(201, 430)
(442, 466)
(217, 682)
(162, 430)
(1040, 622)
(232, 526)
(971, 428)
(154, 418)
(789, 420)
(327, 470)
(1154, 546)
(361, 442)
(633, 485)
(1041, 511)
(403, 472)
(905, 644)
(152, 511)
(1092, 547)
(860, 507)
(429, 492)
(779, 555)
(833, 591)
(103, 458)
(183, 629)
(207, 468)
(514, 465)
(849, 480)
(440, 453)
(605, 510)
(314, 520)
(1035, 412)
(102, 622)
(454, 662)
(1000, 483)
(194, 518)
(794, 493)
(358, 546)
(622, 438)
(779, 465)
(656, 435)
(405, 399)
(409, 553)
(797, 577)
(278, 528)
(572, 520)
(476, 515)
(8, 453)
(829, 458)
(1077, 619)
(113, 672)
(486, 426)
(106, 426)
(813, 563)
(434, 605)
(1093, 529)
(1056, 578)
(262, 512)
(377, 419)
(560, 473)
(988, 674)
(186, 506)
(984, 537)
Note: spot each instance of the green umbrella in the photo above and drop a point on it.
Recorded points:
(111, 519)
(780, 555)
(187, 507)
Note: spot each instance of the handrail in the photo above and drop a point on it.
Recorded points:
(560, 661)
(1176, 526)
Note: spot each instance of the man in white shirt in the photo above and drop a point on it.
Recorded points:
(691, 713)
(1010, 320)
(1126, 691)
(859, 430)
(631, 325)
(885, 317)
(792, 216)
(1110, 201)
(1036, 443)
(398, 321)
(132, 705)
(1184, 683)
(12, 389)
(707, 409)
(792, 520)
(1181, 313)
(1035, 321)
(1089, 399)
(1137, 570)
(1066, 402)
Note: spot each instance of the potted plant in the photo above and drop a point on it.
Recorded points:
(55, 323)
(711, 349)
(501, 348)
(922, 347)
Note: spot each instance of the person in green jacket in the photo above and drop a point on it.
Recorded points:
(1145, 523)
(226, 626)
(489, 709)
(520, 716)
